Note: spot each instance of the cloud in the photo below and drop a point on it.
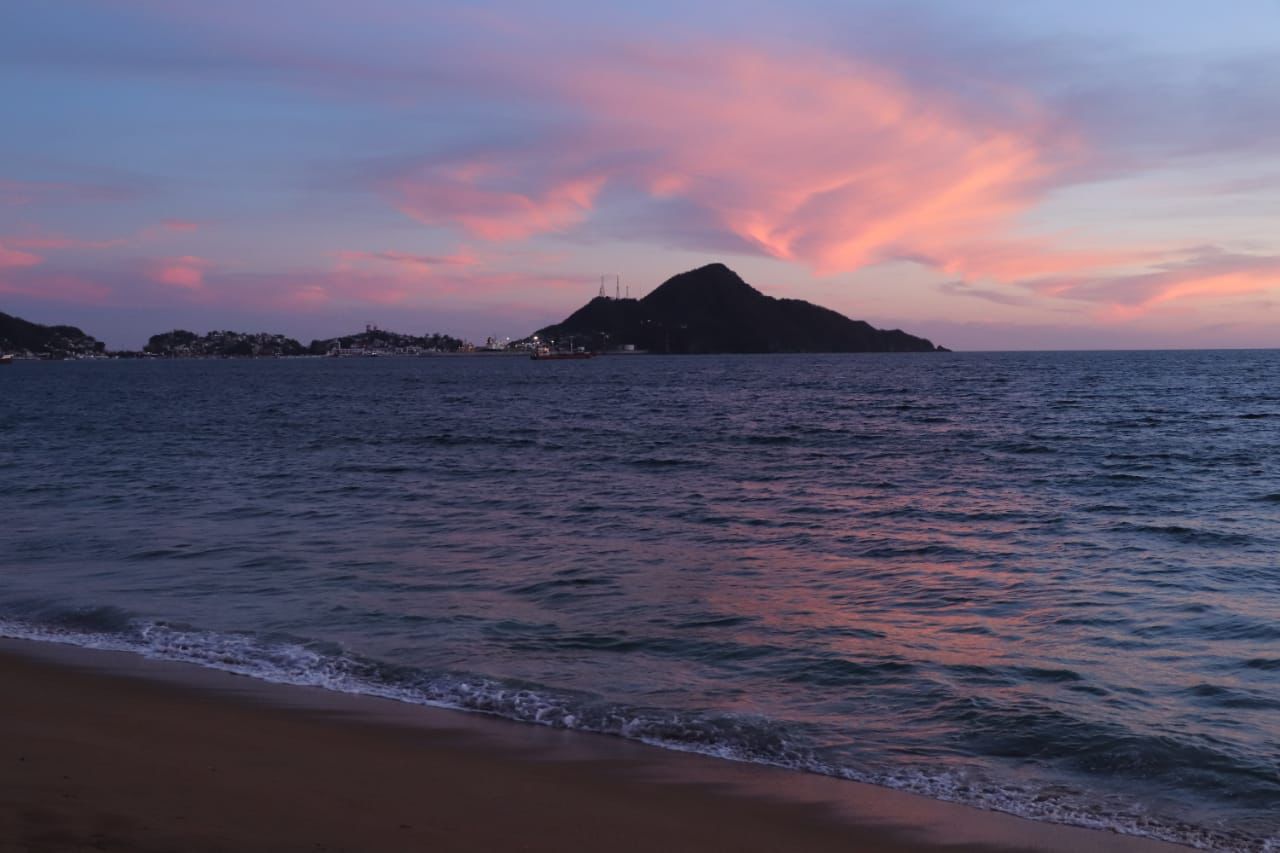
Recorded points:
(824, 160)
(1000, 297)
(844, 137)
(16, 192)
(1204, 273)
(356, 279)
(47, 241)
(186, 272)
(409, 263)
(477, 197)
(54, 286)
(16, 258)
(838, 161)
(815, 158)
(1185, 332)
(348, 287)
(25, 192)
(1147, 280)
(806, 157)
(179, 225)
(51, 241)
(1016, 260)
(166, 229)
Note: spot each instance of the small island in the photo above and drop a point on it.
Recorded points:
(183, 344)
(712, 310)
(379, 341)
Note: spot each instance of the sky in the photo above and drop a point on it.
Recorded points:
(1011, 174)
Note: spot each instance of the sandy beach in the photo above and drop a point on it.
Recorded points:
(107, 751)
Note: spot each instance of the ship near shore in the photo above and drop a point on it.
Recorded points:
(548, 354)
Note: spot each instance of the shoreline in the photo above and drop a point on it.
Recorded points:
(111, 750)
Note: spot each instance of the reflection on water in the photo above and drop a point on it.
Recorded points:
(1043, 582)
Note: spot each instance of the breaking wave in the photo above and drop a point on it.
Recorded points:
(747, 738)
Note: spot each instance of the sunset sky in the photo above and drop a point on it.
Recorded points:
(995, 175)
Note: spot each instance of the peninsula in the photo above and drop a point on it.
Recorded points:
(22, 336)
(712, 310)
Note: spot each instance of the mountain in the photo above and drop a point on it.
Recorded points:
(22, 336)
(712, 310)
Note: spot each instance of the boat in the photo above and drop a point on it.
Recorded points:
(548, 354)
(6, 359)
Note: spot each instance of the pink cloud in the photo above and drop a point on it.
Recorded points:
(471, 196)
(53, 241)
(818, 159)
(23, 192)
(46, 241)
(806, 157)
(1016, 260)
(382, 285)
(168, 228)
(313, 290)
(55, 287)
(410, 264)
(15, 258)
(64, 241)
(345, 288)
(16, 192)
(822, 160)
(185, 272)
(1207, 273)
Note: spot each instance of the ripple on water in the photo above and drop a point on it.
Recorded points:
(1043, 583)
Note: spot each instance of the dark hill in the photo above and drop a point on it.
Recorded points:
(183, 344)
(710, 310)
(380, 340)
(23, 336)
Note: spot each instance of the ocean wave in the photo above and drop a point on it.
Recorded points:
(1186, 534)
(747, 738)
(1269, 664)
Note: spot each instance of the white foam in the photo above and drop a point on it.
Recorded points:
(724, 736)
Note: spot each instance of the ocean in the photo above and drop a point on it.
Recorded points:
(1039, 583)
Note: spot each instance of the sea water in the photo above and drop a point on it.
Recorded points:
(1046, 584)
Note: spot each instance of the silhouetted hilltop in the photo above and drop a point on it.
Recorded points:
(375, 340)
(711, 309)
(183, 344)
(23, 337)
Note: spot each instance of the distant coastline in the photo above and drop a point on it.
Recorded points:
(25, 340)
(709, 310)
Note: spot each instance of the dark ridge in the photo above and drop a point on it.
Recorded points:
(20, 336)
(374, 339)
(712, 310)
(180, 343)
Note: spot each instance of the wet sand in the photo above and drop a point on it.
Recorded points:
(108, 751)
